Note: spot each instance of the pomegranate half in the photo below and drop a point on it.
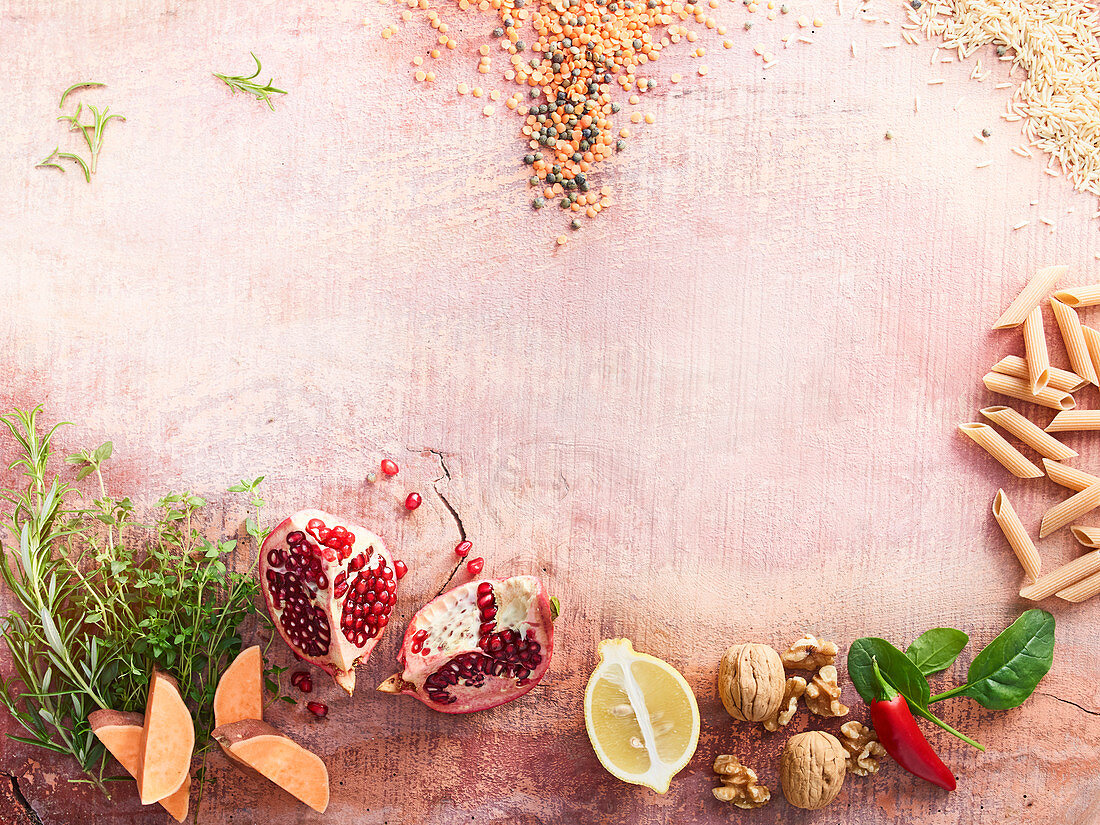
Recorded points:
(329, 586)
(477, 646)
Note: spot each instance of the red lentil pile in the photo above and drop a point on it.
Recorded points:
(581, 50)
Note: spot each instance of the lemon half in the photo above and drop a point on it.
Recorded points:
(641, 716)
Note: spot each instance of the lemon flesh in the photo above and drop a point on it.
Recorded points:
(641, 715)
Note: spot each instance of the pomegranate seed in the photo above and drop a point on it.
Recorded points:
(306, 685)
(389, 467)
(318, 709)
(298, 676)
(475, 565)
(400, 568)
(463, 548)
(413, 501)
(484, 587)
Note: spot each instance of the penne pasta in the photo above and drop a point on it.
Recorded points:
(1092, 344)
(1072, 420)
(1035, 347)
(1031, 434)
(1074, 339)
(994, 443)
(1070, 510)
(1087, 536)
(1056, 580)
(1017, 536)
(1080, 296)
(1059, 379)
(1018, 388)
(1069, 477)
(1079, 591)
(1041, 283)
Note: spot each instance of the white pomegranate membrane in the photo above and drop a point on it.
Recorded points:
(477, 646)
(319, 572)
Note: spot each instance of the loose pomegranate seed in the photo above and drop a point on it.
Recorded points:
(475, 565)
(400, 568)
(318, 709)
(298, 676)
(463, 548)
(413, 501)
(389, 467)
(306, 685)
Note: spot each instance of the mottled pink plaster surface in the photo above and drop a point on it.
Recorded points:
(724, 411)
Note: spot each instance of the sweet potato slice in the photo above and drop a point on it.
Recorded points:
(120, 734)
(240, 693)
(257, 745)
(167, 741)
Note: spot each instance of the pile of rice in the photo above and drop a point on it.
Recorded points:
(1055, 42)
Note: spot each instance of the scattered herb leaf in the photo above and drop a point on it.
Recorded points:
(555, 608)
(74, 87)
(936, 649)
(246, 84)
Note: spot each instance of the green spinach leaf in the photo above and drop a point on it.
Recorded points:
(936, 649)
(1007, 671)
(898, 670)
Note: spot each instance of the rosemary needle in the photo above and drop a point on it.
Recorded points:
(76, 86)
(246, 84)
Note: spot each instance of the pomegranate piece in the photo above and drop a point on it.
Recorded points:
(474, 566)
(318, 709)
(477, 646)
(413, 501)
(329, 586)
(463, 548)
(400, 568)
(389, 467)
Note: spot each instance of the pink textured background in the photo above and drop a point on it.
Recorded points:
(723, 412)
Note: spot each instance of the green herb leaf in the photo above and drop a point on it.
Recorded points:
(103, 452)
(1008, 670)
(936, 649)
(246, 84)
(896, 668)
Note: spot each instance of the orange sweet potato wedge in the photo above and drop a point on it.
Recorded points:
(240, 689)
(256, 745)
(167, 741)
(120, 734)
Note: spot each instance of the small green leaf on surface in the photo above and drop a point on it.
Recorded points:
(937, 649)
(555, 607)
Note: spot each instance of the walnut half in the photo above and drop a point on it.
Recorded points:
(810, 653)
(864, 749)
(739, 784)
(793, 689)
(823, 694)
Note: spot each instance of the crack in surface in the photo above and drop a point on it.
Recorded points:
(1068, 702)
(24, 803)
(450, 509)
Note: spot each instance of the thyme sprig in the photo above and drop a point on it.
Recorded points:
(246, 84)
(104, 598)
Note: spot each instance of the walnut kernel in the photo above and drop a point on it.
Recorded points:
(864, 749)
(794, 688)
(810, 653)
(739, 783)
(823, 694)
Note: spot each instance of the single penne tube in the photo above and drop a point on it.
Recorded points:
(1031, 434)
(994, 443)
(1039, 286)
(1067, 476)
(1059, 379)
(1020, 389)
(1079, 296)
(1087, 536)
(1074, 338)
(1092, 344)
(1070, 510)
(1035, 348)
(1079, 591)
(1056, 580)
(1017, 536)
(1070, 420)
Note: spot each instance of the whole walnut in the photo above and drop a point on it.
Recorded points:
(751, 682)
(812, 769)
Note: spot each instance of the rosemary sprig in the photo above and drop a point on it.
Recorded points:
(245, 84)
(49, 162)
(91, 132)
(105, 598)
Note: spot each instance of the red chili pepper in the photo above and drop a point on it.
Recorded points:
(898, 732)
